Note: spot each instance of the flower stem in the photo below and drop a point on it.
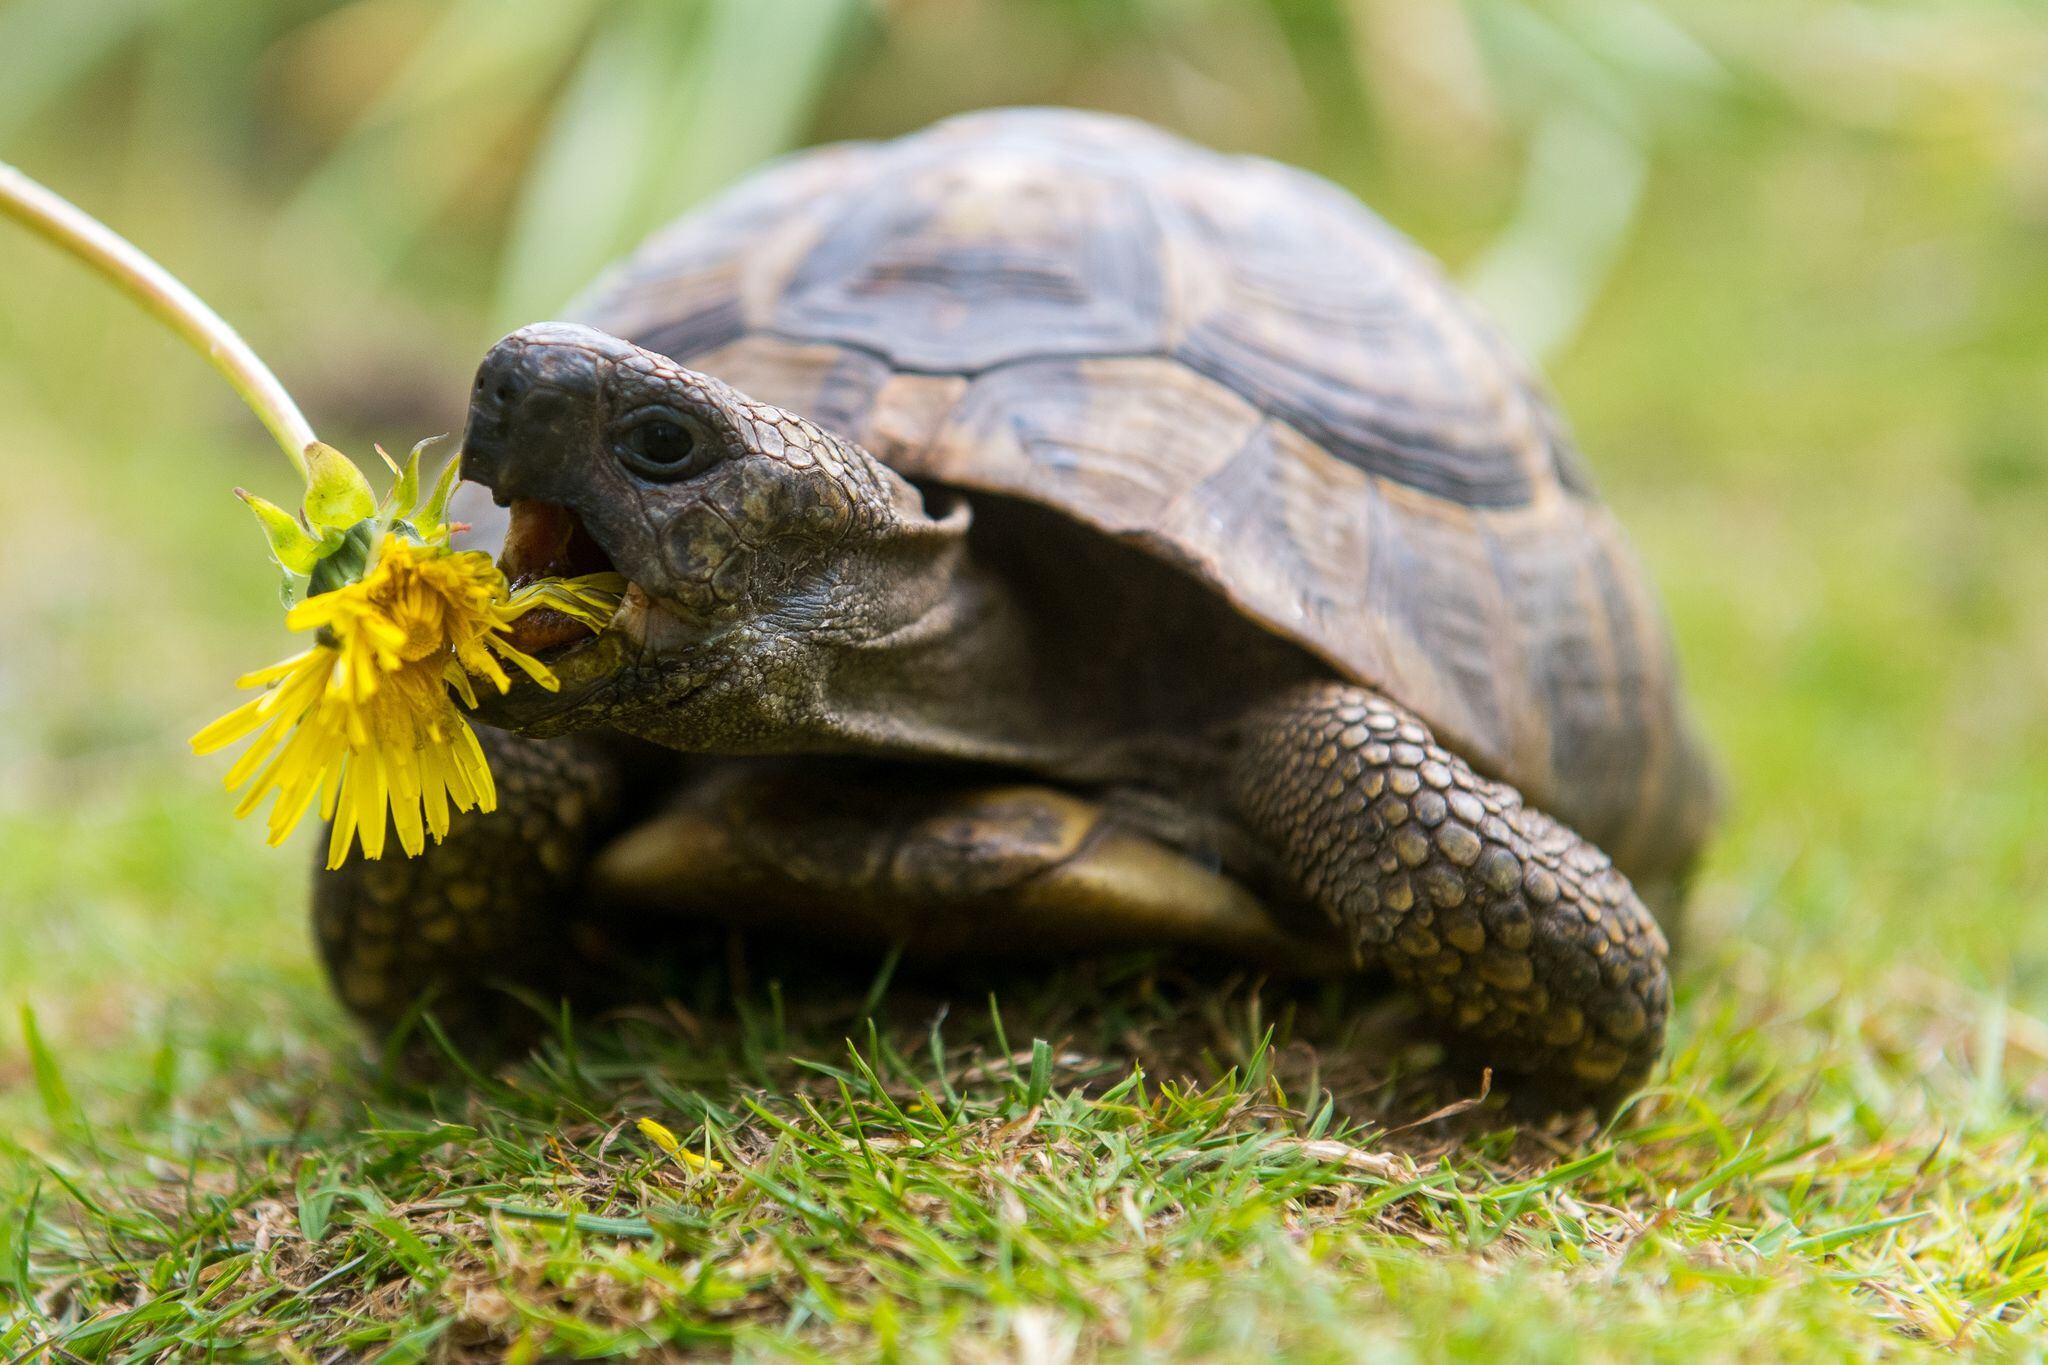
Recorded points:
(122, 264)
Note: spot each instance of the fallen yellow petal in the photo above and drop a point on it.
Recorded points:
(661, 1137)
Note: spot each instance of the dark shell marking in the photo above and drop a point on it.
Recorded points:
(1235, 365)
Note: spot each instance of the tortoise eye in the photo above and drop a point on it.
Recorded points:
(666, 446)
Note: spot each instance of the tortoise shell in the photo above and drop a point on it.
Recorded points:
(1234, 365)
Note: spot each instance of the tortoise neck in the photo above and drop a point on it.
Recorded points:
(941, 662)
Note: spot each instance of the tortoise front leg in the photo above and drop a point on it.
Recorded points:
(487, 906)
(1515, 932)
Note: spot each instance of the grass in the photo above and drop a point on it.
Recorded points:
(1807, 375)
(1803, 1182)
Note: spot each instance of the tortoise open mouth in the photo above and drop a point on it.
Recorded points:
(547, 540)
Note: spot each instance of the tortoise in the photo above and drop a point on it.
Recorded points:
(1044, 534)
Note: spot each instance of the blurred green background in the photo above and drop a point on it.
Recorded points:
(1786, 262)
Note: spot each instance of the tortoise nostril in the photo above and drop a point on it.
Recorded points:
(502, 381)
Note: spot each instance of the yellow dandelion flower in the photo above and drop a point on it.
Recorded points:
(365, 719)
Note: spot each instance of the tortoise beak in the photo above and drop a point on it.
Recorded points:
(532, 409)
(584, 671)
(531, 413)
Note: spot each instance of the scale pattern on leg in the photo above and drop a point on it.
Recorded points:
(489, 903)
(1520, 935)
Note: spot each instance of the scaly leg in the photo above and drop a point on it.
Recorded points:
(489, 904)
(1519, 935)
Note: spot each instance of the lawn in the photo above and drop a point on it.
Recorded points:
(1803, 340)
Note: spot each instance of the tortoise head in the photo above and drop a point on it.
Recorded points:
(749, 536)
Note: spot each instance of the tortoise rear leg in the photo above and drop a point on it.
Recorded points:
(488, 906)
(1520, 936)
